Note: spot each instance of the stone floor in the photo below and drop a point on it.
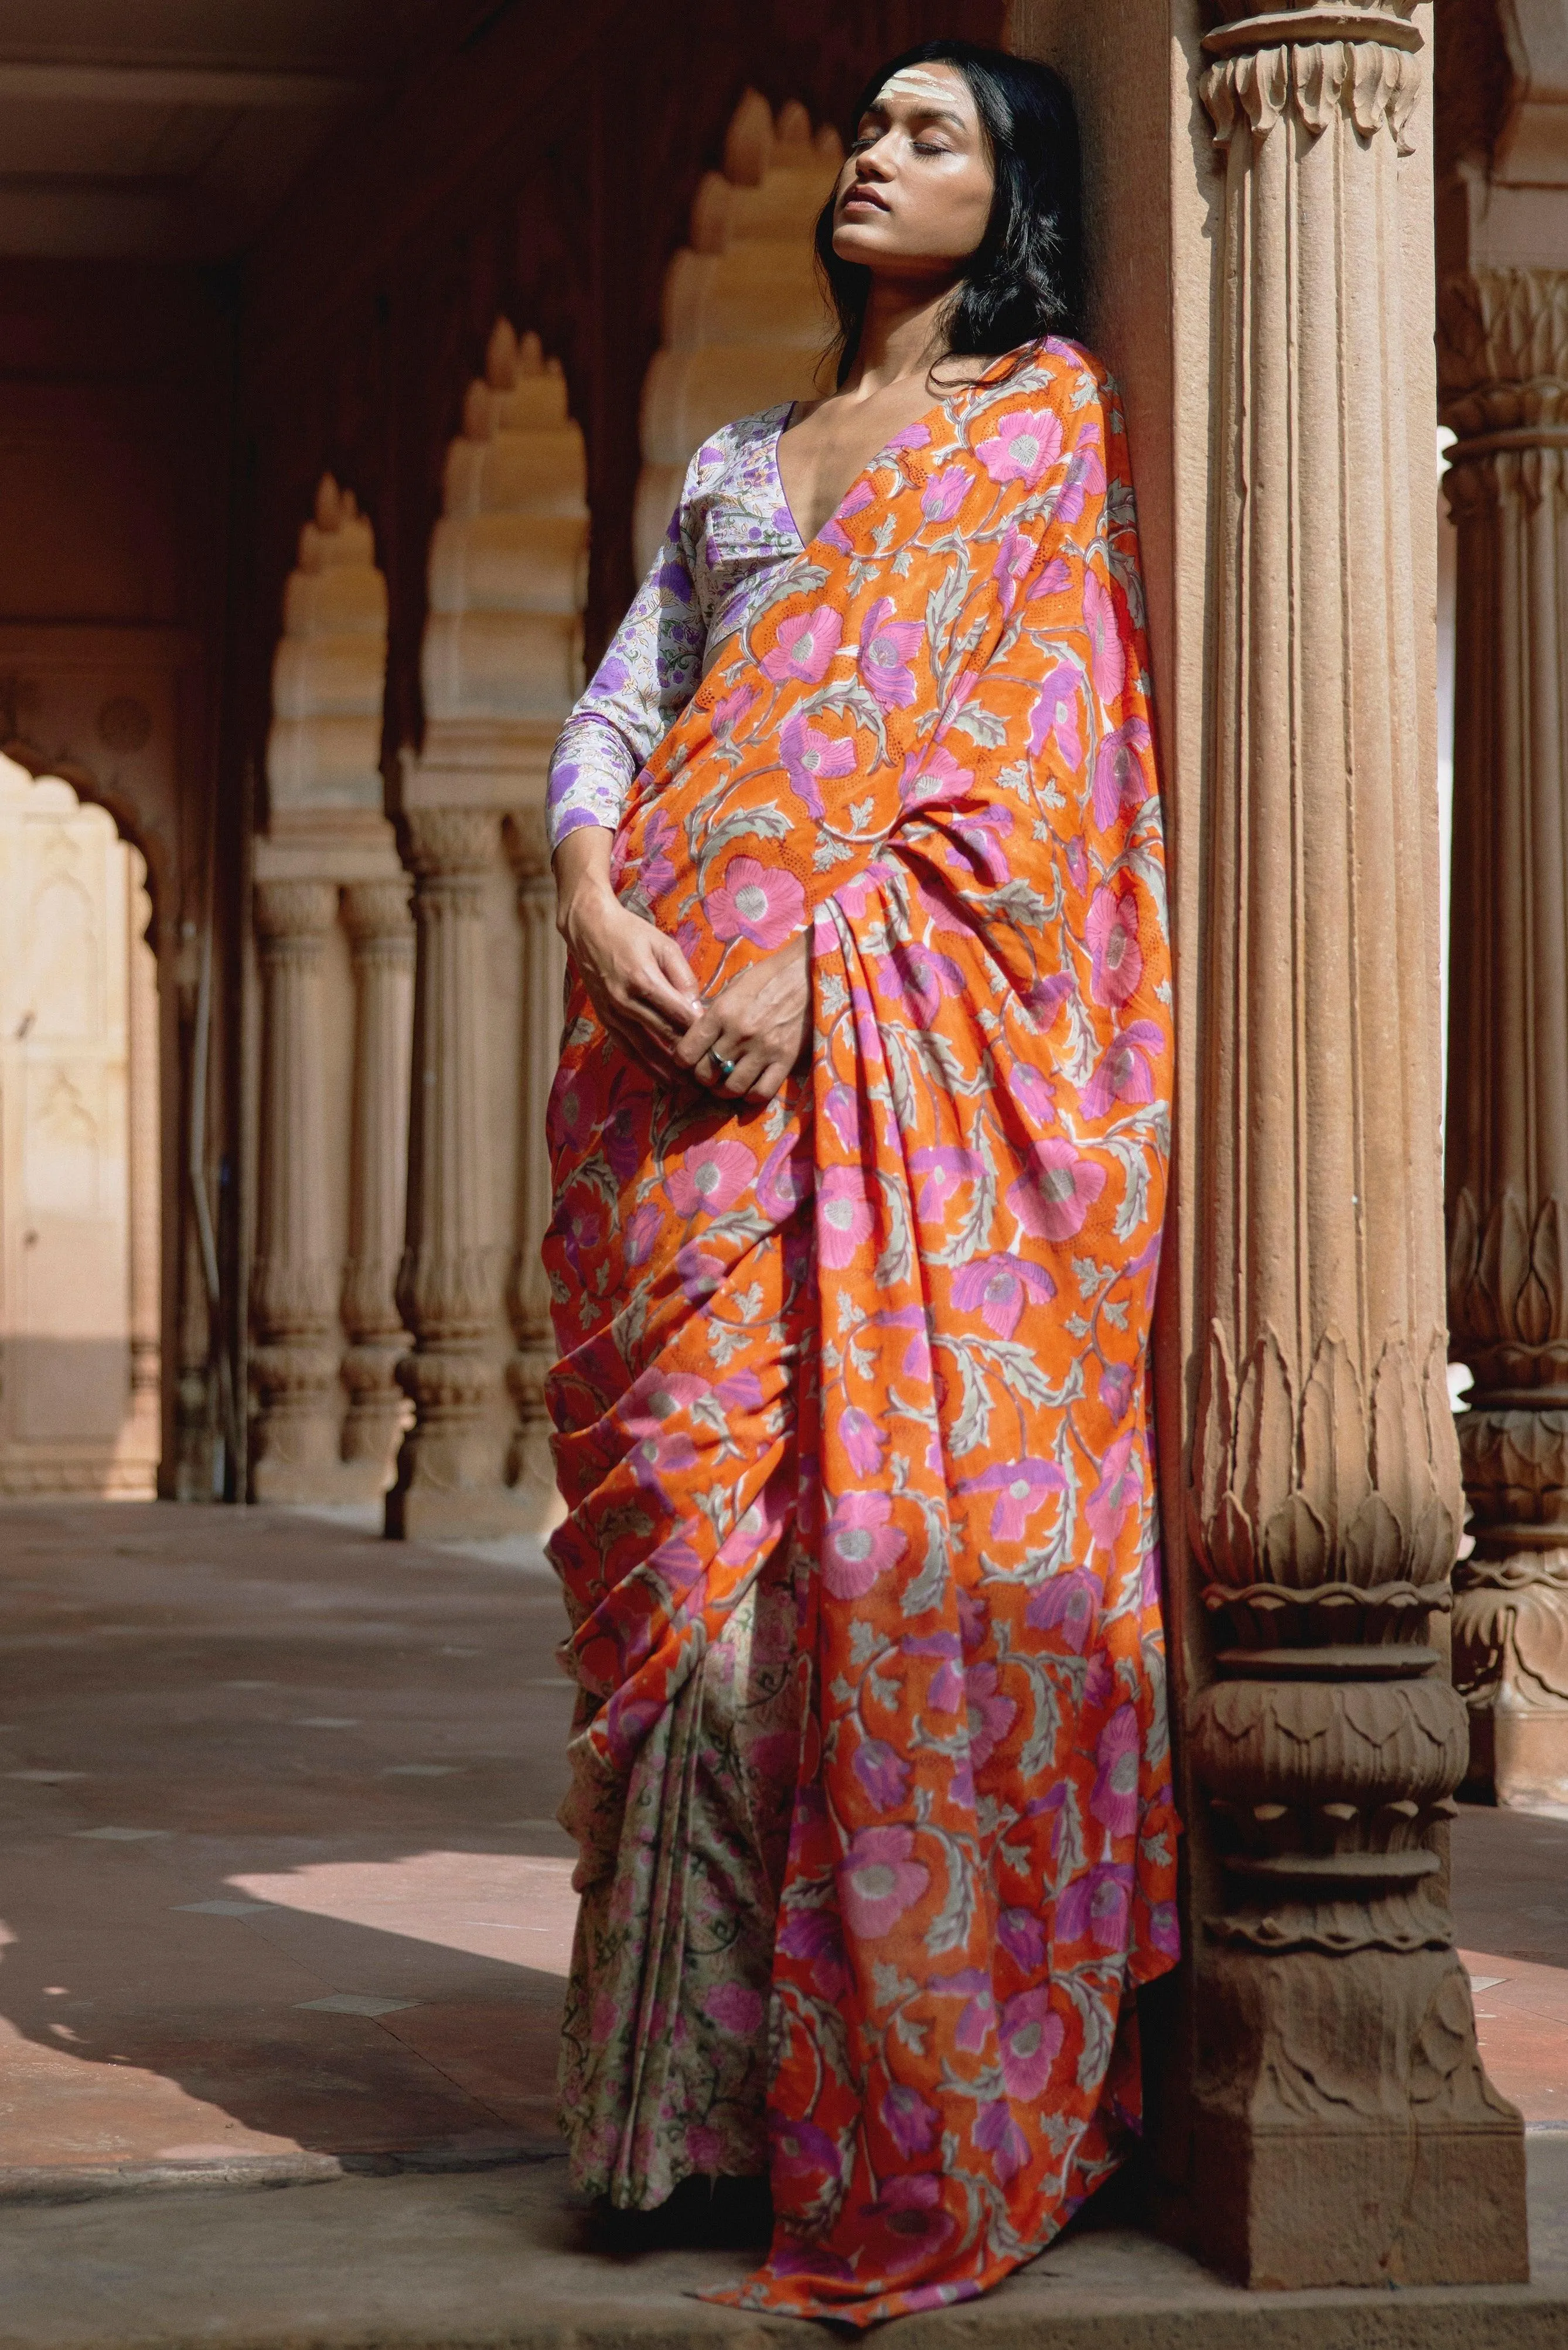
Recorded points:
(284, 1901)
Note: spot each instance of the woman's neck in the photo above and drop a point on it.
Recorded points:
(902, 335)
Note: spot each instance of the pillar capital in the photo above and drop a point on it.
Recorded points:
(1502, 358)
(377, 919)
(294, 913)
(1314, 64)
(451, 842)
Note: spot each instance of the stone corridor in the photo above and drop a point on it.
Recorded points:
(284, 1902)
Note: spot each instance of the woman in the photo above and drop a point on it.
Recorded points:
(858, 1145)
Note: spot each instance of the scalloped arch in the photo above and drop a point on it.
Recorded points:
(328, 673)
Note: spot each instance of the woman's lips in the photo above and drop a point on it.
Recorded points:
(867, 196)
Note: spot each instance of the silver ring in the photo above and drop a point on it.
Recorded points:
(725, 1068)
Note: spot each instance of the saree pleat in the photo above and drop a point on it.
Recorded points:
(861, 1374)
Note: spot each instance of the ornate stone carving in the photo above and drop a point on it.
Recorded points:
(293, 1304)
(328, 673)
(449, 1466)
(1325, 1501)
(146, 1188)
(544, 973)
(376, 916)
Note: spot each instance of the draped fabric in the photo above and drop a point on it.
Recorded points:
(852, 1391)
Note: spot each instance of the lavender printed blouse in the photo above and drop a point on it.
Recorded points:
(730, 534)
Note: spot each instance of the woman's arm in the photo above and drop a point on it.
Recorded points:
(637, 980)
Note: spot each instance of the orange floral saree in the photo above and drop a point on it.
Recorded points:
(851, 1418)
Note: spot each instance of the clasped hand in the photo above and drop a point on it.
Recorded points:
(642, 988)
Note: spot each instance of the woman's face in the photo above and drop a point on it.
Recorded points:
(914, 196)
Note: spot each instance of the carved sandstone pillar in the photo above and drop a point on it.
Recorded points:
(544, 971)
(1345, 2132)
(146, 1185)
(1503, 354)
(293, 1291)
(376, 916)
(450, 1466)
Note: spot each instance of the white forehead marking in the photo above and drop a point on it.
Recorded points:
(919, 86)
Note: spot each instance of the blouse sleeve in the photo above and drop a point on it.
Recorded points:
(650, 673)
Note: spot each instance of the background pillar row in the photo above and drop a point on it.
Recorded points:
(544, 977)
(293, 1301)
(1344, 2131)
(381, 929)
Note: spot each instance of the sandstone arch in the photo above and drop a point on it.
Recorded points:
(745, 323)
(328, 673)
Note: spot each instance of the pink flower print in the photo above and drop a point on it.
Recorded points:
(654, 1457)
(843, 1218)
(1116, 963)
(1165, 1929)
(974, 1621)
(976, 833)
(1120, 781)
(1052, 1199)
(570, 1109)
(658, 871)
(1123, 1072)
(1022, 1936)
(1033, 1090)
(882, 1773)
(990, 1713)
(943, 1169)
(932, 775)
(785, 1179)
(705, 2148)
(945, 1690)
(1031, 2037)
(880, 1880)
(699, 1274)
(842, 1103)
(972, 1985)
(800, 2150)
(643, 1228)
(997, 2134)
(911, 2123)
(1054, 581)
(858, 499)
(729, 711)
(805, 646)
(860, 1544)
(946, 491)
(1120, 1489)
(864, 1442)
(735, 2008)
(1095, 1907)
(1079, 862)
(995, 1287)
(1013, 557)
(581, 1229)
(1085, 472)
(913, 436)
(1116, 1389)
(815, 1936)
(1055, 714)
(916, 979)
(1067, 1604)
(764, 903)
(917, 1362)
(887, 648)
(1024, 446)
(1107, 654)
(1113, 1799)
(710, 1177)
(808, 755)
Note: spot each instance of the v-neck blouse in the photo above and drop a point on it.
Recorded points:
(730, 534)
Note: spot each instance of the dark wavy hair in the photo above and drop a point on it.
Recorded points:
(1026, 277)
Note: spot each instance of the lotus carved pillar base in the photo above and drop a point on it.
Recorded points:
(1343, 2130)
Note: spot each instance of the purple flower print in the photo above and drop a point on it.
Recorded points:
(880, 1880)
(1120, 1489)
(977, 833)
(945, 1690)
(917, 1362)
(1024, 446)
(710, 1177)
(569, 1109)
(1021, 1487)
(1165, 1929)
(1123, 1072)
(729, 711)
(1116, 965)
(843, 1218)
(858, 499)
(842, 1103)
(991, 1714)
(1116, 1389)
(1056, 712)
(883, 1773)
(1022, 1936)
(1067, 1604)
(800, 2150)
(1107, 654)
(1054, 581)
(1085, 472)
(887, 648)
(913, 436)
(1119, 779)
(972, 1985)
(997, 2134)
(995, 1287)
(943, 1169)
(1032, 1089)
(1095, 1906)
(1079, 862)
(911, 2123)
(764, 903)
(1031, 2038)
(932, 775)
(815, 1936)
(946, 491)
(654, 1457)
(860, 1544)
(657, 1396)
(658, 871)
(864, 1442)
(1013, 557)
(804, 647)
(642, 1229)
(785, 1179)
(809, 754)
(736, 2008)
(1052, 1199)
(915, 978)
(1113, 1799)
(699, 1274)
(582, 1229)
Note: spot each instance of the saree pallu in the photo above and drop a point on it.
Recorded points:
(851, 1414)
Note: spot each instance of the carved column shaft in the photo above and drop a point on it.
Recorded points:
(376, 916)
(544, 971)
(449, 1464)
(1503, 346)
(146, 1187)
(1344, 2129)
(294, 1288)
